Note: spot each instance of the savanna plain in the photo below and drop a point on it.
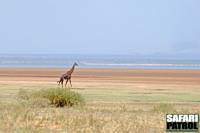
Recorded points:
(116, 100)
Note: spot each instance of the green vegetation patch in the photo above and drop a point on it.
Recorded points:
(55, 96)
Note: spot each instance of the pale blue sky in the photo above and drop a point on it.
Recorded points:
(170, 27)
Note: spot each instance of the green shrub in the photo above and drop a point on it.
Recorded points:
(55, 96)
(60, 97)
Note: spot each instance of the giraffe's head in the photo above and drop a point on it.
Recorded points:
(75, 64)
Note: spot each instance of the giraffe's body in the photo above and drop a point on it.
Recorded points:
(62, 78)
(67, 76)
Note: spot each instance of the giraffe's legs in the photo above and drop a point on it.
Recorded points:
(62, 83)
(66, 82)
(59, 81)
(70, 82)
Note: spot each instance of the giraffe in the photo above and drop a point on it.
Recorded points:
(67, 76)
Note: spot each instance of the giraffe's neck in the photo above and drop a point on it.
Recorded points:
(71, 70)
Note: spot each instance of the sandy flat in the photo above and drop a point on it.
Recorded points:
(118, 76)
(110, 85)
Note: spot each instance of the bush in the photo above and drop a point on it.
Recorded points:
(55, 96)
(60, 97)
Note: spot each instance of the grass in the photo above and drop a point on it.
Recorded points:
(60, 97)
(165, 108)
(107, 109)
(117, 94)
(114, 117)
(16, 118)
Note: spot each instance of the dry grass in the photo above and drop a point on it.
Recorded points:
(102, 118)
(117, 118)
(107, 110)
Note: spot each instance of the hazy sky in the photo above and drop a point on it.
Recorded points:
(100, 26)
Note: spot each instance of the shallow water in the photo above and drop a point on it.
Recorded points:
(94, 61)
